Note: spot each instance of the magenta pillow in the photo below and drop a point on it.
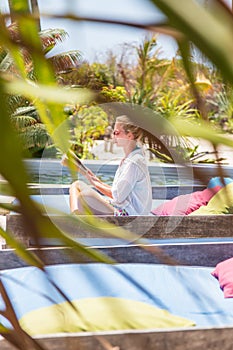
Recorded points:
(187, 203)
(224, 273)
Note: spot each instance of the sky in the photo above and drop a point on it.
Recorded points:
(94, 40)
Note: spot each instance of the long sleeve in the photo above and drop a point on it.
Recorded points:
(131, 189)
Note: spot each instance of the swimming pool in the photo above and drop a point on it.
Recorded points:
(50, 171)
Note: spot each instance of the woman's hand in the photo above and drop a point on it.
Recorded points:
(98, 184)
(94, 180)
(64, 160)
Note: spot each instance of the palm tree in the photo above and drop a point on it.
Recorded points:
(23, 114)
(11, 10)
(35, 10)
(32, 6)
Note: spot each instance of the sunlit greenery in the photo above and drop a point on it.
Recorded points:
(24, 115)
(162, 85)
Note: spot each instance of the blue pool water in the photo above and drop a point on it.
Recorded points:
(50, 171)
(65, 178)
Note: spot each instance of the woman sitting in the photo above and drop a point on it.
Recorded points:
(130, 193)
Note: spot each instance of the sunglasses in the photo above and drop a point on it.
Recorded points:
(117, 132)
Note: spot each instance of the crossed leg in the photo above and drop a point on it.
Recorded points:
(84, 199)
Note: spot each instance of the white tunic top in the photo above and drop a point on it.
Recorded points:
(131, 188)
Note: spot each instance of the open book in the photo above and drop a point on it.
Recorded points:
(74, 159)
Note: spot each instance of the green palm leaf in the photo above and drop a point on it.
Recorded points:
(50, 38)
(35, 137)
(29, 111)
(66, 61)
(6, 63)
(23, 121)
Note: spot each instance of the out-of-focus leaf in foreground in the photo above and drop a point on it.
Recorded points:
(203, 130)
(48, 93)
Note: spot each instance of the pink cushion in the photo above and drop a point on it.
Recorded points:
(187, 203)
(224, 273)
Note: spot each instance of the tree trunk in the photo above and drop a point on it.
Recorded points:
(34, 7)
(11, 10)
(35, 10)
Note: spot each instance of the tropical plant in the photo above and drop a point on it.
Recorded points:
(24, 115)
(87, 124)
(111, 94)
(142, 78)
(163, 86)
(185, 26)
(93, 76)
(32, 133)
(222, 107)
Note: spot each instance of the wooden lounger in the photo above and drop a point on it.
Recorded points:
(148, 227)
(192, 338)
(174, 252)
(158, 192)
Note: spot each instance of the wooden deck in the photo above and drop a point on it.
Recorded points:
(191, 339)
(158, 192)
(146, 227)
(193, 253)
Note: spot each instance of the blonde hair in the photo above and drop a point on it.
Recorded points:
(128, 126)
(143, 136)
